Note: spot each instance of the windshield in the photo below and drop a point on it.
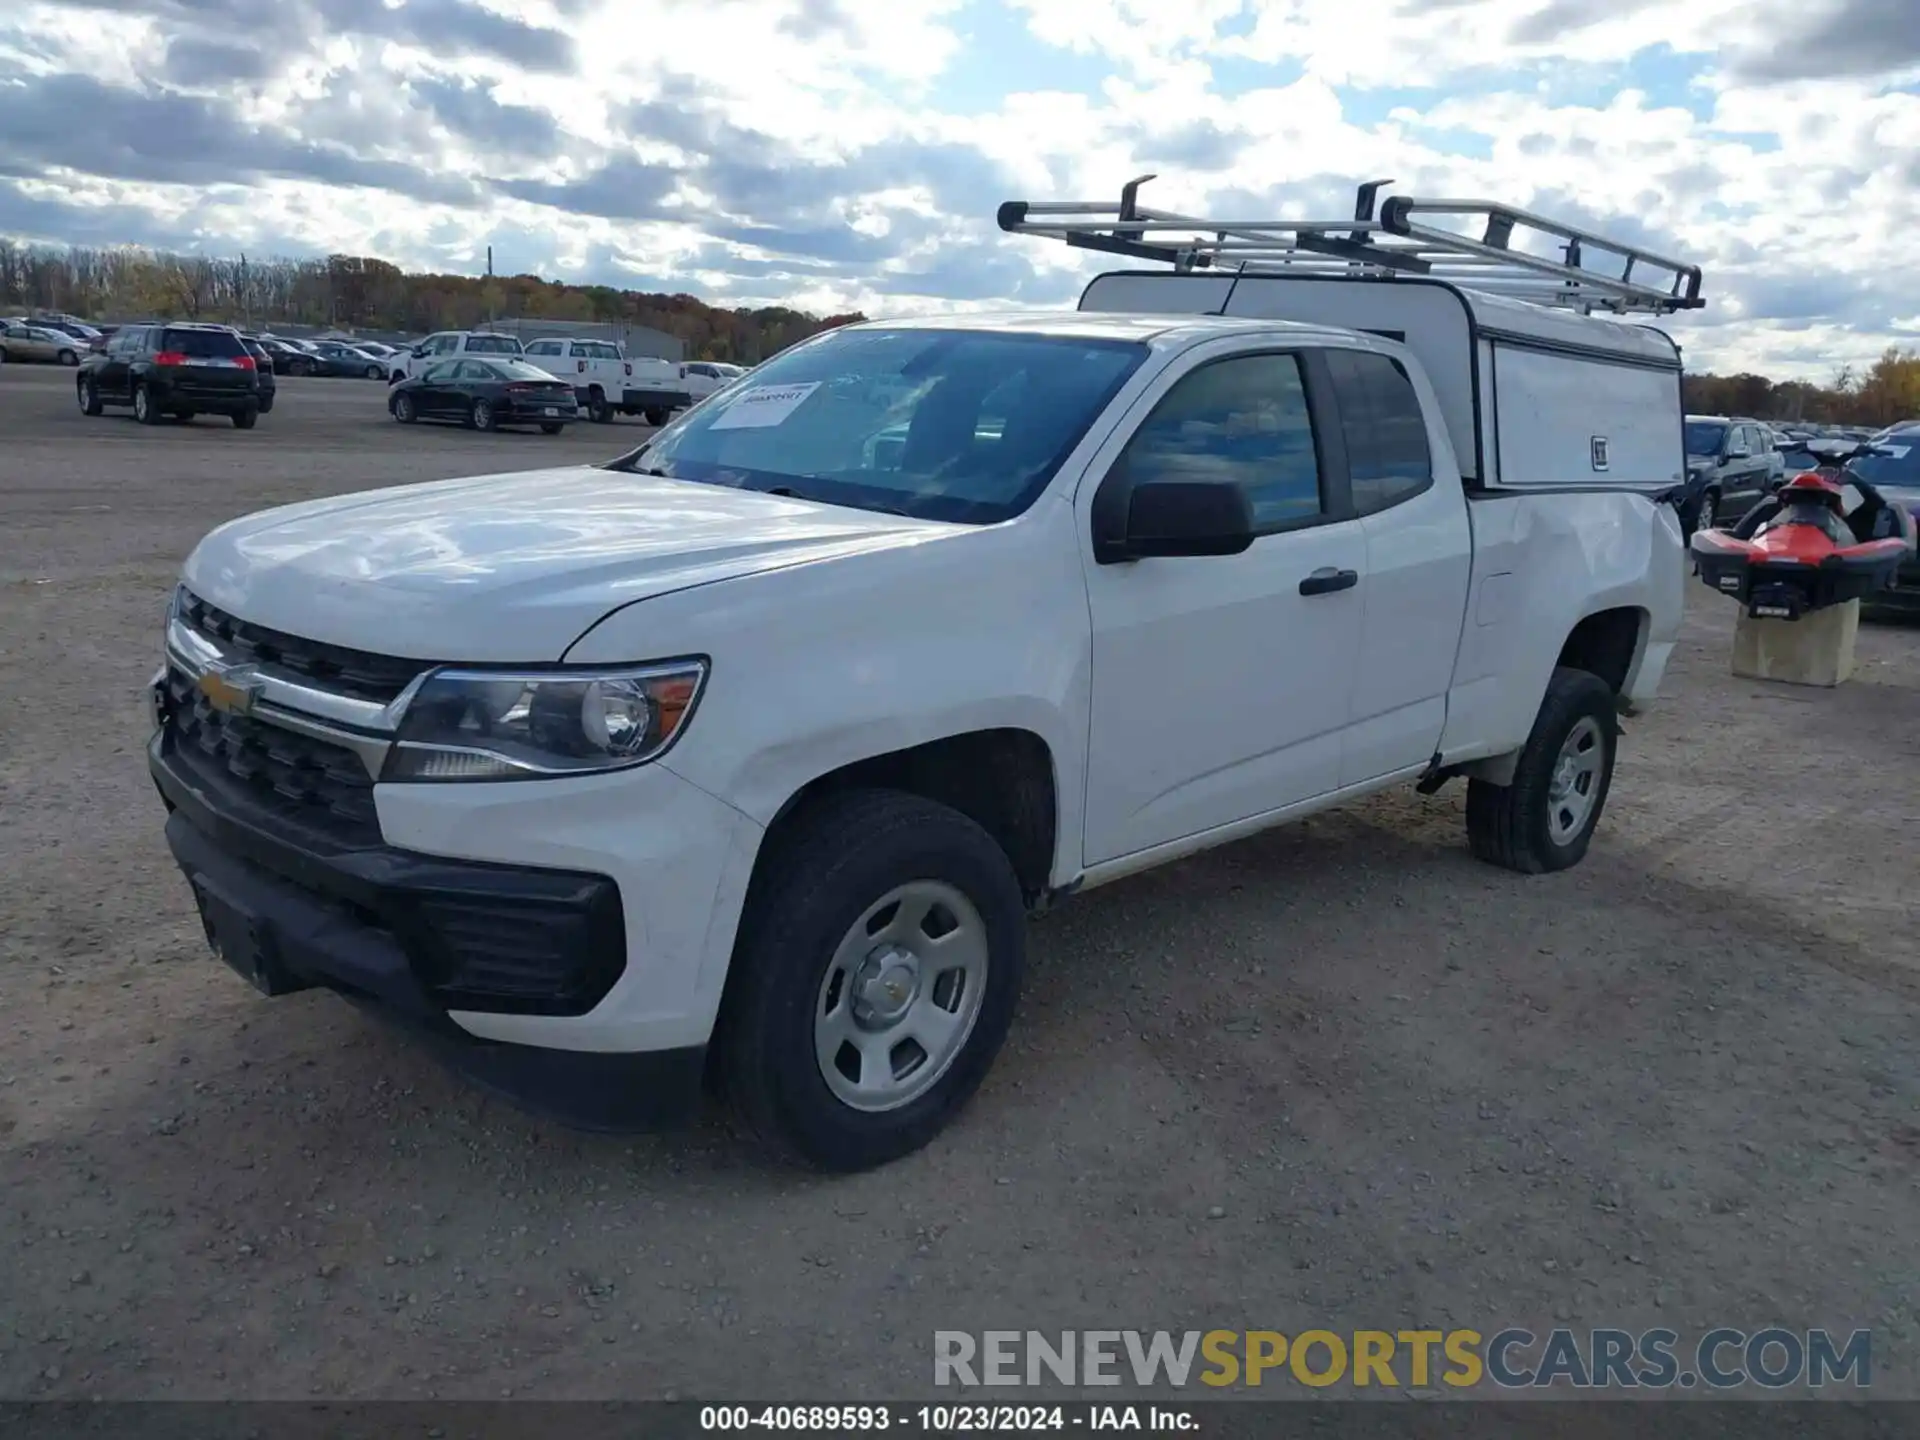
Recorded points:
(1899, 467)
(1704, 437)
(963, 425)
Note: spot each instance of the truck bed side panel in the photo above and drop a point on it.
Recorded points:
(1543, 563)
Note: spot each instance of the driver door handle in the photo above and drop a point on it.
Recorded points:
(1326, 580)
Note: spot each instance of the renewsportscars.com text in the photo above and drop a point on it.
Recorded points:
(1770, 1358)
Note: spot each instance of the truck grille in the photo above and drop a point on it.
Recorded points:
(329, 667)
(317, 786)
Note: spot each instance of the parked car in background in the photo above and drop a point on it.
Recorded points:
(180, 370)
(450, 345)
(1895, 473)
(67, 325)
(607, 383)
(337, 358)
(485, 393)
(703, 377)
(1731, 464)
(35, 344)
(263, 367)
(290, 357)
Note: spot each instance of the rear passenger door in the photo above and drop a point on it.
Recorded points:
(1419, 564)
(1221, 685)
(115, 375)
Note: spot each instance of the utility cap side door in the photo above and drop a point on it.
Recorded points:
(1221, 682)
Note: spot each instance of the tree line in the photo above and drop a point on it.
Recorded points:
(1885, 392)
(357, 293)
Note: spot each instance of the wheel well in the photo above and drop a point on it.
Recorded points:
(1605, 644)
(1002, 780)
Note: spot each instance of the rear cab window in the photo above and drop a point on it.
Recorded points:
(492, 345)
(1388, 459)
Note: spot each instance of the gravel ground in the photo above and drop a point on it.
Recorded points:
(1339, 1075)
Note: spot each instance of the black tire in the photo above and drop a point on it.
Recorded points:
(144, 410)
(266, 404)
(403, 408)
(1707, 512)
(825, 868)
(374, 372)
(1510, 826)
(88, 394)
(245, 419)
(655, 417)
(482, 416)
(552, 427)
(69, 357)
(598, 411)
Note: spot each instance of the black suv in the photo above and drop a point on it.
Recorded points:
(181, 369)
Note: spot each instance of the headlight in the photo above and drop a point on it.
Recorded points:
(499, 725)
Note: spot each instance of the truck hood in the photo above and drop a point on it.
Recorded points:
(512, 568)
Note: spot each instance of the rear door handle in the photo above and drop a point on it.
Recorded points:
(1326, 580)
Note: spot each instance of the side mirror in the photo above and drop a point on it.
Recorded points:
(1169, 518)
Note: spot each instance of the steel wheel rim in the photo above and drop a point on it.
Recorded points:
(1708, 512)
(900, 996)
(141, 404)
(482, 412)
(86, 394)
(403, 407)
(1575, 782)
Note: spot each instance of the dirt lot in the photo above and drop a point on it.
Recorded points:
(1339, 1075)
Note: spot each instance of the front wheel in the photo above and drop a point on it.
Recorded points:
(88, 394)
(403, 410)
(1709, 512)
(551, 427)
(1545, 819)
(875, 977)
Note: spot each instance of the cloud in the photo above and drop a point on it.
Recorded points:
(1850, 38)
(197, 63)
(843, 154)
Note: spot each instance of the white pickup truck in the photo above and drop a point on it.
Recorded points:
(739, 761)
(607, 382)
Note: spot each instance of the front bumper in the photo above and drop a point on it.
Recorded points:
(533, 980)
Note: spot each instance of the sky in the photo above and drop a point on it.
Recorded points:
(840, 155)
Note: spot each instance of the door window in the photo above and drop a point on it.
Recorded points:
(1384, 427)
(1243, 419)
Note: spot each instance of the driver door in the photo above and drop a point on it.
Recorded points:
(1222, 685)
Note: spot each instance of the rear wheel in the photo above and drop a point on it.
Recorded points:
(655, 417)
(69, 357)
(144, 409)
(598, 411)
(88, 394)
(244, 419)
(403, 410)
(374, 372)
(1545, 819)
(482, 416)
(875, 977)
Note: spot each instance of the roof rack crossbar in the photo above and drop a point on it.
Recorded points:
(1394, 244)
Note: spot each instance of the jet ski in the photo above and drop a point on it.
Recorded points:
(1809, 545)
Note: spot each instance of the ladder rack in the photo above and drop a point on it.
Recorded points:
(1400, 242)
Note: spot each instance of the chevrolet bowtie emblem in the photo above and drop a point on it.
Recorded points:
(230, 689)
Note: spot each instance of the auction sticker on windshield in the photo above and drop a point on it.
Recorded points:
(762, 406)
